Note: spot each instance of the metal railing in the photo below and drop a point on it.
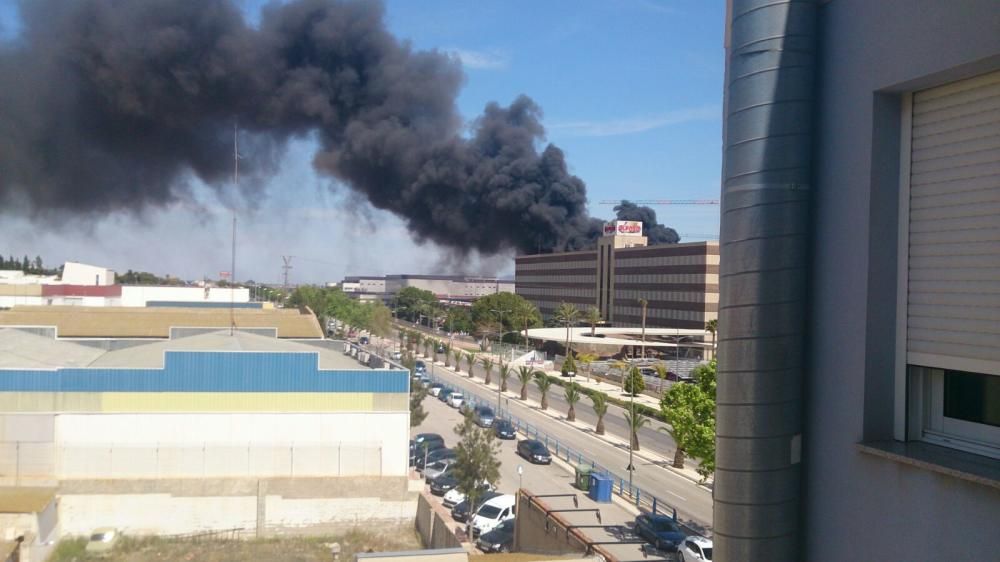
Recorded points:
(643, 499)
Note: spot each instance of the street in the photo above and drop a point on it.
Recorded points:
(693, 502)
(540, 479)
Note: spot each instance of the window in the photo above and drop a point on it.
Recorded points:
(948, 311)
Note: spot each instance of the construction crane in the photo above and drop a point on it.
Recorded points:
(663, 202)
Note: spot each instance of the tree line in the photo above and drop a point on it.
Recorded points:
(29, 266)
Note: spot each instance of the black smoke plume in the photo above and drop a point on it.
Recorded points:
(656, 232)
(114, 105)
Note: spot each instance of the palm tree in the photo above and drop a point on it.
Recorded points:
(600, 401)
(457, 355)
(524, 374)
(503, 373)
(679, 451)
(713, 327)
(567, 315)
(636, 421)
(417, 338)
(586, 359)
(621, 367)
(661, 373)
(573, 395)
(592, 317)
(470, 356)
(544, 383)
(447, 354)
(487, 364)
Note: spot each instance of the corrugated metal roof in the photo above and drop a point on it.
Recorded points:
(25, 499)
(23, 350)
(131, 322)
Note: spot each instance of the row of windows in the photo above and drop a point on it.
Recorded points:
(661, 313)
(707, 278)
(678, 296)
(555, 265)
(555, 293)
(556, 279)
(665, 260)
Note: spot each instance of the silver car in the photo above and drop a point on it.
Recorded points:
(438, 468)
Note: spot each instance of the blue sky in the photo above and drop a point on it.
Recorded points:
(631, 91)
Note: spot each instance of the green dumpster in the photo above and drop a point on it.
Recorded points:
(583, 476)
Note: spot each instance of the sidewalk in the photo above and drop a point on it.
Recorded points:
(614, 440)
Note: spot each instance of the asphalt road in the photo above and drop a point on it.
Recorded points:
(693, 502)
(542, 479)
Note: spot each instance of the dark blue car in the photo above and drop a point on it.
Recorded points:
(660, 531)
(504, 429)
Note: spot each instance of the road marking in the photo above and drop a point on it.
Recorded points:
(682, 498)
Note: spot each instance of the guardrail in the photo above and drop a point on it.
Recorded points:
(643, 500)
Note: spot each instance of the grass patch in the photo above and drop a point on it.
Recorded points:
(276, 549)
(647, 411)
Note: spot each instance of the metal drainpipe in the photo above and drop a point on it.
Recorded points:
(767, 177)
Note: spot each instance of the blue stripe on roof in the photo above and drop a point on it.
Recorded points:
(190, 371)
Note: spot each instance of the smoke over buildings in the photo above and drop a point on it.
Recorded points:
(114, 105)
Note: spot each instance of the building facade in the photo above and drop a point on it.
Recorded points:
(859, 403)
(457, 288)
(680, 282)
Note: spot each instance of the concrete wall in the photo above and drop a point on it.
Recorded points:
(431, 523)
(83, 274)
(858, 504)
(301, 506)
(138, 295)
(531, 535)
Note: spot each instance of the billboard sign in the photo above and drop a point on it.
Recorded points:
(623, 228)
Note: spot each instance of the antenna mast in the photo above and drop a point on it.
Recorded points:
(286, 267)
(232, 269)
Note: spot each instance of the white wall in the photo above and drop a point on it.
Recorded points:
(83, 274)
(139, 295)
(10, 302)
(234, 441)
(143, 514)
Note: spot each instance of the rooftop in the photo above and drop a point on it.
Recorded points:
(135, 322)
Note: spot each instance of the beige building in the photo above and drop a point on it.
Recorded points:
(679, 281)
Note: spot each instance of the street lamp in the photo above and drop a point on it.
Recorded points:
(500, 313)
(644, 303)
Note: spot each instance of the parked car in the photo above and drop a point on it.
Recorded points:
(492, 513)
(660, 531)
(443, 484)
(420, 367)
(696, 548)
(440, 348)
(438, 468)
(363, 340)
(434, 456)
(504, 429)
(456, 496)
(461, 510)
(483, 416)
(455, 399)
(444, 394)
(103, 540)
(500, 539)
(534, 451)
(435, 389)
(417, 450)
(396, 355)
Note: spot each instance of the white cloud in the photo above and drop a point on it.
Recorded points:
(628, 126)
(481, 60)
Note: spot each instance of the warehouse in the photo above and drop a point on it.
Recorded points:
(680, 282)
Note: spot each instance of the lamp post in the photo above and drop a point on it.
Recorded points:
(644, 304)
(631, 437)
(500, 313)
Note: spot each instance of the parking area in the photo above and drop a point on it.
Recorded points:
(556, 478)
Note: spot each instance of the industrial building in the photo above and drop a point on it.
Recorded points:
(208, 429)
(457, 289)
(89, 285)
(858, 389)
(680, 282)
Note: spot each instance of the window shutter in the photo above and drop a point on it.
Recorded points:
(953, 299)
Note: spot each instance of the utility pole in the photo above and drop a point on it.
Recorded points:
(286, 267)
(232, 268)
(644, 303)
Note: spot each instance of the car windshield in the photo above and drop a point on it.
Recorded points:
(537, 447)
(707, 552)
(665, 526)
(101, 537)
(489, 511)
(436, 465)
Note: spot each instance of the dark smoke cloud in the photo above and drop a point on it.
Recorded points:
(656, 232)
(114, 105)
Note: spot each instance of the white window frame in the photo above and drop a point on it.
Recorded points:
(919, 389)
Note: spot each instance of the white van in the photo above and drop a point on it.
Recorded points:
(492, 513)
